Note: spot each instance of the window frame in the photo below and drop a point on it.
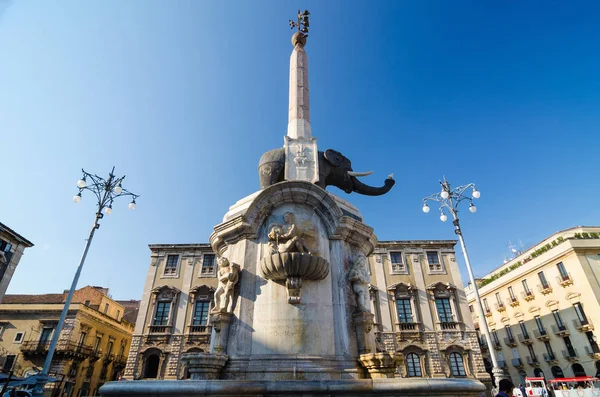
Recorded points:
(562, 271)
(558, 319)
(20, 333)
(446, 308)
(543, 280)
(213, 273)
(406, 304)
(539, 323)
(203, 313)
(523, 328)
(461, 367)
(401, 266)
(435, 267)
(580, 312)
(163, 316)
(171, 271)
(511, 294)
(526, 288)
(416, 371)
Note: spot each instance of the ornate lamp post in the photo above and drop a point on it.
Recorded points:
(450, 199)
(106, 192)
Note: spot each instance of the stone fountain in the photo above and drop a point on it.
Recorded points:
(292, 314)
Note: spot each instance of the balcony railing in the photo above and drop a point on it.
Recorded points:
(564, 280)
(408, 326)
(560, 330)
(516, 362)
(510, 342)
(533, 360)
(487, 312)
(583, 326)
(482, 343)
(65, 348)
(160, 329)
(497, 344)
(525, 339)
(544, 289)
(500, 306)
(502, 364)
(109, 357)
(550, 357)
(541, 334)
(448, 325)
(121, 359)
(527, 295)
(35, 347)
(570, 354)
(513, 301)
(200, 329)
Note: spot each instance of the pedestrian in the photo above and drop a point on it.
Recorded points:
(505, 388)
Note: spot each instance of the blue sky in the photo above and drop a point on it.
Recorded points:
(184, 97)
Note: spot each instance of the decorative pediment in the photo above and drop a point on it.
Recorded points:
(551, 303)
(572, 295)
(166, 292)
(534, 309)
(202, 290)
(505, 319)
(519, 314)
(492, 323)
(441, 289)
(402, 289)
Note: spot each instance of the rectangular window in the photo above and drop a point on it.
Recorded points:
(162, 313)
(110, 346)
(580, 313)
(97, 344)
(512, 294)
(208, 264)
(118, 314)
(171, 266)
(82, 339)
(558, 319)
(18, 337)
(444, 310)
(87, 303)
(543, 280)
(106, 308)
(471, 308)
(498, 298)
(200, 313)
(5, 246)
(526, 287)
(548, 348)
(433, 258)
(540, 325)
(45, 335)
(495, 336)
(509, 332)
(563, 272)
(523, 329)
(404, 311)
(9, 363)
(397, 263)
(531, 351)
(569, 346)
(485, 305)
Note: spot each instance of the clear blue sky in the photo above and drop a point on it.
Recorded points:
(185, 96)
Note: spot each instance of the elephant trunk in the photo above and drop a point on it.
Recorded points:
(367, 190)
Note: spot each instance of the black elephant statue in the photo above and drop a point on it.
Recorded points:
(334, 170)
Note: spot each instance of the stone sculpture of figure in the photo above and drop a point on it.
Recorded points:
(288, 238)
(228, 276)
(301, 157)
(360, 279)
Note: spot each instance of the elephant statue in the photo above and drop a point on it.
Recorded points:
(334, 170)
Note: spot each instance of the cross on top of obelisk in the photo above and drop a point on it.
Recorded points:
(302, 24)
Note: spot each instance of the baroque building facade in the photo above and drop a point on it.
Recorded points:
(12, 247)
(416, 295)
(542, 307)
(92, 347)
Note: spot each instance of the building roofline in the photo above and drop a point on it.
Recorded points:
(381, 242)
(189, 245)
(16, 235)
(525, 252)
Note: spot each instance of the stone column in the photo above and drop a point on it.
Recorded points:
(299, 106)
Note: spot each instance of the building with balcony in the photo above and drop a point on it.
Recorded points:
(416, 292)
(12, 246)
(92, 347)
(546, 306)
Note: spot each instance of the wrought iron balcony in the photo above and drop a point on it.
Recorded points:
(544, 289)
(583, 326)
(564, 280)
(550, 358)
(516, 362)
(487, 312)
(120, 360)
(109, 357)
(35, 347)
(570, 354)
(69, 349)
(541, 334)
(525, 339)
(533, 360)
(500, 307)
(502, 364)
(513, 302)
(560, 330)
(527, 295)
(497, 344)
(482, 343)
(511, 342)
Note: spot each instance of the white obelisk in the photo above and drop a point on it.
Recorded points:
(301, 155)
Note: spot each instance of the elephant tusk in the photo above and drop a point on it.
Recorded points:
(390, 176)
(352, 173)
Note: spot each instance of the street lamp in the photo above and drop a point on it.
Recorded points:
(449, 200)
(106, 192)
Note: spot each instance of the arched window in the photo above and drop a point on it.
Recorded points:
(538, 373)
(413, 365)
(578, 370)
(457, 366)
(152, 362)
(557, 372)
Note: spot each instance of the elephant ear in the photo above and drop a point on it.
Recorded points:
(335, 158)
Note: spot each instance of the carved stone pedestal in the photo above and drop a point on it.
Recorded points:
(363, 324)
(381, 365)
(204, 366)
(220, 323)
